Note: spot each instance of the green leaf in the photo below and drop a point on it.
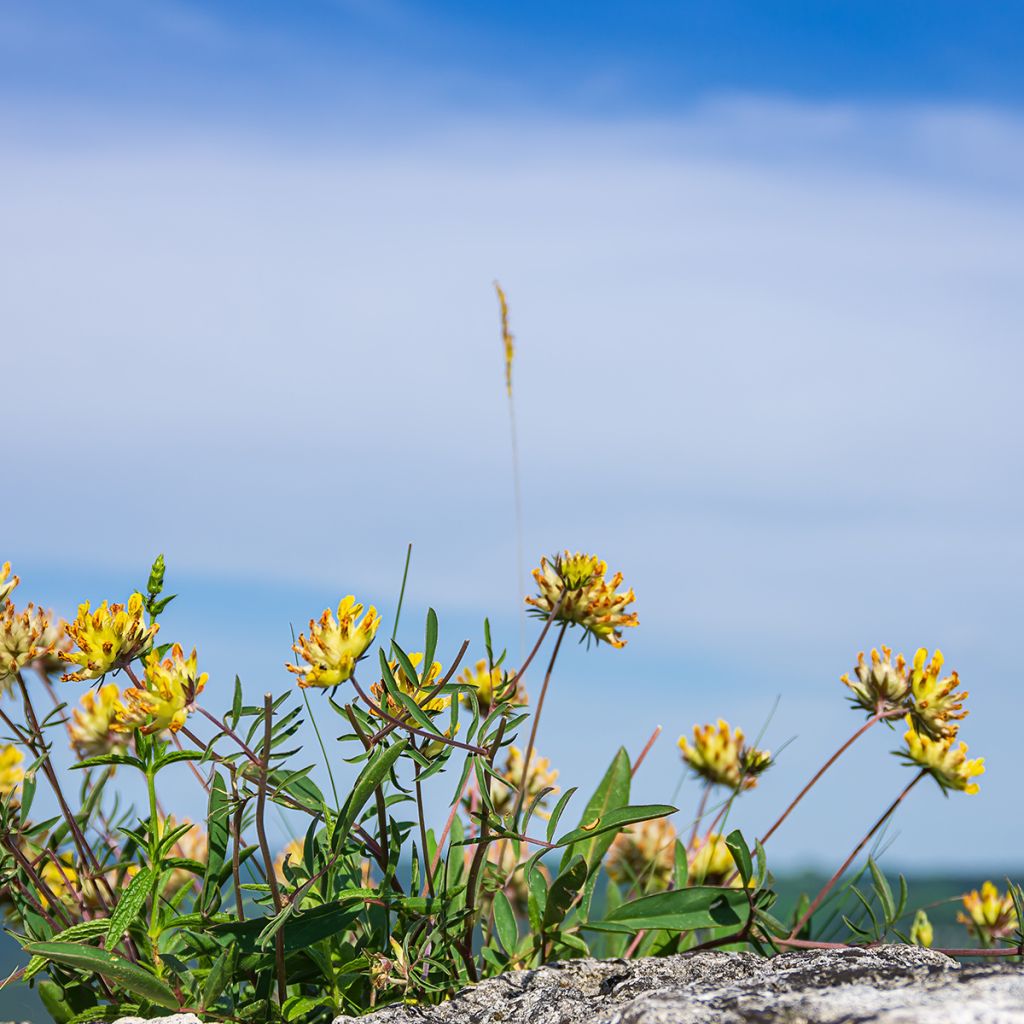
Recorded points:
(564, 890)
(219, 836)
(221, 972)
(614, 821)
(612, 792)
(104, 759)
(111, 966)
(81, 932)
(505, 922)
(556, 814)
(130, 903)
(740, 854)
(537, 902)
(762, 864)
(682, 866)
(375, 772)
(430, 639)
(236, 704)
(882, 891)
(701, 906)
(174, 756)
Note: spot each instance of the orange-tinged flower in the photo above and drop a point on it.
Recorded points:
(22, 640)
(587, 598)
(881, 683)
(108, 638)
(945, 761)
(710, 862)
(937, 706)
(93, 726)
(292, 855)
(333, 648)
(7, 582)
(991, 915)
(168, 698)
(11, 773)
(720, 755)
(490, 685)
(643, 855)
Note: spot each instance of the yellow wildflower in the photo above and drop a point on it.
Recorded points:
(880, 683)
(22, 640)
(93, 726)
(11, 773)
(541, 777)
(644, 855)
(710, 862)
(7, 581)
(415, 688)
(168, 697)
(947, 764)
(61, 879)
(292, 854)
(921, 932)
(719, 755)
(506, 337)
(108, 638)
(937, 706)
(588, 599)
(333, 648)
(990, 914)
(489, 684)
(55, 643)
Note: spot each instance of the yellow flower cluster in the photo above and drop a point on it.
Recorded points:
(710, 862)
(587, 598)
(945, 760)
(991, 915)
(541, 776)
(108, 638)
(719, 755)
(937, 706)
(333, 648)
(93, 726)
(921, 931)
(7, 581)
(168, 696)
(643, 855)
(490, 684)
(415, 688)
(290, 855)
(11, 773)
(880, 683)
(23, 640)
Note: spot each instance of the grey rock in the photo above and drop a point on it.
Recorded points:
(174, 1018)
(886, 984)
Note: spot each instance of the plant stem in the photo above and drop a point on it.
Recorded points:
(879, 715)
(643, 753)
(261, 831)
(828, 886)
(401, 593)
(323, 749)
(536, 722)
(421, 814)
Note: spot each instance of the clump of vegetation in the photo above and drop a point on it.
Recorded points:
(125, 909)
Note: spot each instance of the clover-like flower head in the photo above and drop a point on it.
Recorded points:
(23, 639)
(710, 862)
(588, 599)
(720, 755)
(7, 582)
(11, 773)
(879, 683)
(418, 689)
(921, 931)
(643, 855)
(291, 855)
(168, 697)
(945, 760)
(333, 648)
(541, 776)
(108, 638)
(490, 685)
(93, 726)
(991, 915)
(937, 706)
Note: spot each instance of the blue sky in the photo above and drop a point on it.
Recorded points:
(764, 269)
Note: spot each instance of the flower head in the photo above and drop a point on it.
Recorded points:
(292, 856)
(644, 855)
(990, 914)
(711, 862)
(947, 763)
(490, 685)
(11, 773)
(333, 648)
(882, 682)
(93, 726)
(718, 753)
(172, 686)
(23, 639)
(7, 581)
(55, 643)
(108, 638)
(587, 598)
(60, 877)
(541, 776)
(921, 932)
(937, 706)
(418, 689)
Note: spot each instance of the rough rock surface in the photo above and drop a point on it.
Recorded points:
(887, 984)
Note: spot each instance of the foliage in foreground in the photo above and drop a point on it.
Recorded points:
(128, 908)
